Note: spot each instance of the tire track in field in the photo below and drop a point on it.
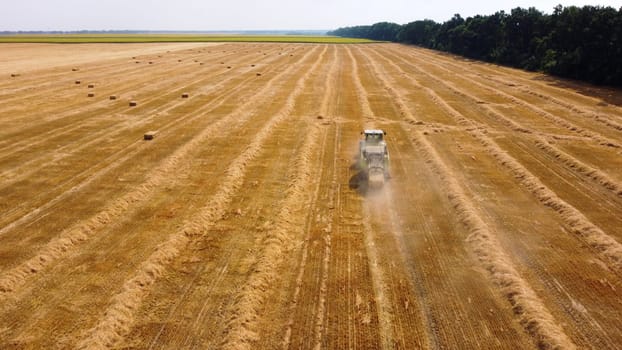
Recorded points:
(564, 301)
(324, 111)
(572, 164)
(437, 282)
(242, 326)
(145, 82)
(606, 246)
(188, 195)
(91, 75)
(191, 337)
(60, 246)
(119, 316)
(103, 106)
(601, 117)
(296, 299)
(587, 171)
(95, 65)
(242, 329)
(439, 256)
(414, 284)
(558, 121)
(110, 163)
(55, 113)
(386, 312)
(323, 312)
(531, 312)
(320, 314)
(117, 128)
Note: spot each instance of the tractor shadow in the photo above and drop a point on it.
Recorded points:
(359, 181)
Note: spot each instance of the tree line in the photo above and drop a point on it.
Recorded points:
(583, 43)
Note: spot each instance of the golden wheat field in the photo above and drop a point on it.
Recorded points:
(246, 224)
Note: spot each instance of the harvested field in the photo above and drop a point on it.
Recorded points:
(245, 223)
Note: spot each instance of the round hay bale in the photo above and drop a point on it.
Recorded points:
(258, 74)
(228, 67)
(137, 62)
(14, 75)
(133, 104)
(113, 97)
(91, 86)
(150, 62)
(78, 82)
(185, 95)
(91, 94)
(75, 69)
(252, 65)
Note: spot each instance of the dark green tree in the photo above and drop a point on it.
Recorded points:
(576, 42)
(422, 33)
(384, 31)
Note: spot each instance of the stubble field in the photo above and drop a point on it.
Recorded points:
(245, 223)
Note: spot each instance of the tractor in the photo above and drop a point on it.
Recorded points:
(374, 157)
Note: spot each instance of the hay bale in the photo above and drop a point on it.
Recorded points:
(137, 62)
(75, 69)
(258, 74)
(252, 65)
(228, 67)
(150, 62)
(185, 95)
(91, 94)
(91, 86)
(78, 82)
(201, 63)
(149, 135)
(133, 104)
(14, 75)
(113, 97)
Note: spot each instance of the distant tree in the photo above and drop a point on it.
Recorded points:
(449, 33)
(524, 30)
(580, 43)
(421, 33)
(352, 32)
(384, 31)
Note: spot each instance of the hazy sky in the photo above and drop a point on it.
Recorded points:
(245, 14)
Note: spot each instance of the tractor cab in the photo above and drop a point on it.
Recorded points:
(373, 136)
